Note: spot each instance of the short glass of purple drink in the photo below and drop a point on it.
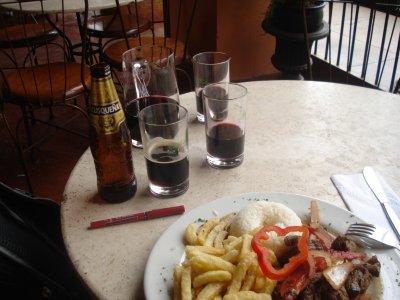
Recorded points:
(225, 118)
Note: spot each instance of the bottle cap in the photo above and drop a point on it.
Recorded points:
(100, 70)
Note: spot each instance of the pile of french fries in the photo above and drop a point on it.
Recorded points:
(219, 266)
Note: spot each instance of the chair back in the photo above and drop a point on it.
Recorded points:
(35, 46)
(39, 73)
(174, 35)
(33, 261)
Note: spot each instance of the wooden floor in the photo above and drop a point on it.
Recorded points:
(54, 160)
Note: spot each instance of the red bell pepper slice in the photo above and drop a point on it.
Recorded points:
(264, 254)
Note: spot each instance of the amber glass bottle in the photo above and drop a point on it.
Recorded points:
(110, 141)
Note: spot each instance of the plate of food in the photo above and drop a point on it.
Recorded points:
(234, 245)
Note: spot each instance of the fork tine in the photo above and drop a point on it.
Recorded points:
(367, 228)
(365, 224)
(358, 234)
(372, 236)
(360, 229)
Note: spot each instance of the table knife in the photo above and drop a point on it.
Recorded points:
(376, 187)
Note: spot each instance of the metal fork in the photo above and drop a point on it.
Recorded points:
(372, 236)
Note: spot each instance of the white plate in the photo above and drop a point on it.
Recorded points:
(168, 250)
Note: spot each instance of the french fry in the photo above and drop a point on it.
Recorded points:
(232, 256)
(212, 235)
(207, 262)
(205, 229)
(192, 251)
(229, 240)
(269, 286)
(247, 295)
(246, 245)
(227, 219)
(250, 278)
(259, 283)
(219, 266)
(191, 234)
(177, 282)
(263, 284)
(211, 276)
(240, 273)
(186, 284)
(210, 291)
(248, 282)
(234, 244)
(219, 239)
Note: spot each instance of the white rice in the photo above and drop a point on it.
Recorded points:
(264, 213)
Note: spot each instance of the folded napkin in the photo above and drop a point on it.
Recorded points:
(360, 199)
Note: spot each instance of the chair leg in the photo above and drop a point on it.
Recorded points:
(25, 168)
(26, 123)
(17, 144)
(51, 113)
(397, 88)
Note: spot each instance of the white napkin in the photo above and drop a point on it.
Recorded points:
(360, 199)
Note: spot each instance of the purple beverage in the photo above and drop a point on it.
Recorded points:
(225, 140)
(132, 110)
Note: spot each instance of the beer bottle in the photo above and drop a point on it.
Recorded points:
(110, 141)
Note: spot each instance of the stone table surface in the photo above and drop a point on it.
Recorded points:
(298, 134)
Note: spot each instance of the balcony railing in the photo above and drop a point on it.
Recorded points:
(364, 41)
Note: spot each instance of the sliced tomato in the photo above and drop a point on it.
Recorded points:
(292, 286)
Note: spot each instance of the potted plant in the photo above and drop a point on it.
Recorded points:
(285, 20)
(288, 15)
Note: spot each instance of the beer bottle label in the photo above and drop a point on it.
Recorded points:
(105, 109)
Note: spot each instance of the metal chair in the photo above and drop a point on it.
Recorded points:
(116, 23)
(113, 50)
(31, 35)
(33, 259)
(47, 85)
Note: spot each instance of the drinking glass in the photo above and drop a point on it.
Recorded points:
(225, 117)
(164, 130)
(132, 109)
(208, 67)
(149, 77)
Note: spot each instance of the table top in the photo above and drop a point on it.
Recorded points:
(55, 6)
(298, 134)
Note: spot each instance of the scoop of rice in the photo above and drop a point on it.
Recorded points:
(263, 213)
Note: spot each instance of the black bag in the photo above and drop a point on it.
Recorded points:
(33, 259)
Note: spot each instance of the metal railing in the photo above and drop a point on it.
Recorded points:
(364, 40)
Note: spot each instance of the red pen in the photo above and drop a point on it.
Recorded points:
(147, 215)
